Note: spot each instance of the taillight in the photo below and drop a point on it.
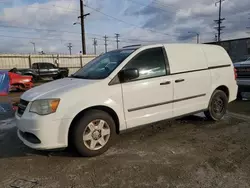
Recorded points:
(235, 73)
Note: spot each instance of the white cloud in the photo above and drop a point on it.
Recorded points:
(174, 18)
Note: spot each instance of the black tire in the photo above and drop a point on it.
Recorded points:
(61, 76)
(239, 96)
(79, 129)
(55, 78)
(217, 106)
(21, 87)
(35, 79)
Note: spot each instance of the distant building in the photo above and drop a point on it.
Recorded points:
(238, 49)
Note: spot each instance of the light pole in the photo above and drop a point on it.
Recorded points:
(34, 45)
(197, 35)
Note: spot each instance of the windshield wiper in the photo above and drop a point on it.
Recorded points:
(80, 77)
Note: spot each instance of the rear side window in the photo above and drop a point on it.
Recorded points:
(150, 63)
(42, 65)
(50, 66)
(45, 66)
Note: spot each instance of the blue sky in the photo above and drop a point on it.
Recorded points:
(49, 23)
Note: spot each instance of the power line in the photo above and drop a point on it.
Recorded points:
(37, 38)
(49, 30)
(127, 40)
(122, 21)
(150, 5)
(162, 4)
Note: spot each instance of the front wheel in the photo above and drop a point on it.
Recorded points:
(94, 133)
(217, 106)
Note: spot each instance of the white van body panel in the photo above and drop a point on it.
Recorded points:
(221, 69)
(200, 69)
(86, 94)
(138, 95)
(188, 63)
(185, 57)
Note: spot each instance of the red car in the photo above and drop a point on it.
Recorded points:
(20, 82)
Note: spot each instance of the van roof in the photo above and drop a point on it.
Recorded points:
(137, 46)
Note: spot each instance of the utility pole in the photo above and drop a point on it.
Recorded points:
(249, 19)
(197, 36)
(34, 45)
(82, 16)
(95, 44)
(105, 43)
(215, 38)
(117, 40)
(219, 21)
(70, 48)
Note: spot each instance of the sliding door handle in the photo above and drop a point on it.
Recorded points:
(179, 80)
(165, 83)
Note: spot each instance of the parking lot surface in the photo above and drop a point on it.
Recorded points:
(189, 152)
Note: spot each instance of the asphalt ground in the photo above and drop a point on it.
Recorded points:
(189, 152)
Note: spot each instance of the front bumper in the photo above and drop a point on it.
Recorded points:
(46, 132)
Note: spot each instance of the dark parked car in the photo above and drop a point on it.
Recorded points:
(43, 70)
(243, 76)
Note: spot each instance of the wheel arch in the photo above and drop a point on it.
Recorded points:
(221, 88)
(106, 109)
(224, 89)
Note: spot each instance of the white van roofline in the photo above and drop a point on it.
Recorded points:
(139, 46)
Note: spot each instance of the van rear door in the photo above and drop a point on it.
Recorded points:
(191, 78)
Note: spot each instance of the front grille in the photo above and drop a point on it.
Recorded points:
(22, 107)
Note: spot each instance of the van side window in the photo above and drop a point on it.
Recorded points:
(150, 63)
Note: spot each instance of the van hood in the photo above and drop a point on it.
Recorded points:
(56, 88)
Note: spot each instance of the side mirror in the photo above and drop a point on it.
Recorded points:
(128, 74)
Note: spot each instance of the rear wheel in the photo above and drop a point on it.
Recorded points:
(218, 106)
(94, 133)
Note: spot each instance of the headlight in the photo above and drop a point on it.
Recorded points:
(44, 106)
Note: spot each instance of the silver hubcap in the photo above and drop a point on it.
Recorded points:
(96, 134)
(218, 105)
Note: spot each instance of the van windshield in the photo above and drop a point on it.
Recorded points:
(102, 66)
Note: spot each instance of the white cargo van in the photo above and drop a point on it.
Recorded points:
(123, 89)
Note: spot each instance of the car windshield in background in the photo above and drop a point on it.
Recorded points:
(102, 66)
(244, 59)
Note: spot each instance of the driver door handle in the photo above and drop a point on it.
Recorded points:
(165, 83)
(179, 80)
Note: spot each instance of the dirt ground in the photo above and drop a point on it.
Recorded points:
(190, 152)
